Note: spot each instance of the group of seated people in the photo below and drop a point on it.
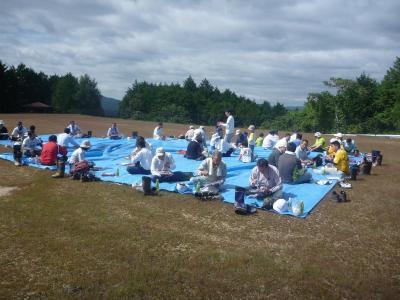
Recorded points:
(287, 162)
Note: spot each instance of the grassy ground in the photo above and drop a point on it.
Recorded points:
(66, 239)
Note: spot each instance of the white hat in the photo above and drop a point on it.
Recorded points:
(317, 134)
(1, 122)
(280, 206)
(251, 127)
(332, 140)
(197, 132)
(86, 144)
(160, 151)
(237, 131)
(281, 143)
(191, 127)
(338, 135)
(201, 127)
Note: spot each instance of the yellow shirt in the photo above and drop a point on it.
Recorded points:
(320, 142)
(341, 161)
(251, 139)
(259, 141)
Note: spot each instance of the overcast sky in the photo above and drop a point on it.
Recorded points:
(277, 50)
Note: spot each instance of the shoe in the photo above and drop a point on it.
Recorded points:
(343, 196)
(336, 197)
(17, 164)
(345, 184)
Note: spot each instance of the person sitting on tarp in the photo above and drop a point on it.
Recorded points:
(320, 144)
(270, 140)
(75, 130)
(297, 141)
(224, 147)
(18, 134)
(190, 133)
(215, 138)
(260, 139)
(113, 132)
(141, 160)
(240, 137)
(279, 149)
(31, 146)
(330, 151)
(349, 146)
(302, 152)
(64, 139)
(339, 158)
(162, 165)
(79, 154)
(53, 154)
(195, 147)
(139, 140)
(158, 133)
(212, 172)
(3, 131)
(246, 154)
(265, 181)
(204, 136)
(290, 168)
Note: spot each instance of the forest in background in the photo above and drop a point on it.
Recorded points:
(360, 105)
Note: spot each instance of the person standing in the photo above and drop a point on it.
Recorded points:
(229, 126)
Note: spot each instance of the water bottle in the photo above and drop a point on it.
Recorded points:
(198, 187)
(117, 172)
(301, 207)
(157, 185)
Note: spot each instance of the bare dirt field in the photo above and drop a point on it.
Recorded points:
(65, 239)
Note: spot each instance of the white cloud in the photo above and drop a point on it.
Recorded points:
(266, 50)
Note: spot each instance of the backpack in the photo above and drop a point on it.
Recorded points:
(80, 169)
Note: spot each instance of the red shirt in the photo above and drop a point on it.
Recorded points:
(49, 153)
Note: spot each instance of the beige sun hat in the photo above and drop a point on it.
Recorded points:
(338, 135)
(160, 151)
(86, 144)
(317, 134)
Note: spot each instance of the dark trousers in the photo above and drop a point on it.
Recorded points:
(137, 169)
(33, 153)
(175, 177)
(17, 152)
(228, 153)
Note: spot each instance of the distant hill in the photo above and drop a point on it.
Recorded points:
(110, 106)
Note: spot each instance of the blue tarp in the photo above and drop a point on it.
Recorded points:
(110, 155)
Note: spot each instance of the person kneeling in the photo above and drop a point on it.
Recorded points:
(212, 173)
(162, 165)
(53, 154)
(141, 160)
(265, 182)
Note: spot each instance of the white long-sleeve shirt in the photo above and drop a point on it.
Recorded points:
(270, 141)
(158, 133)
(144, 157)
(31, 144)
(229, 125)
(77, 156)
(270, 179)
(215, 173)
(162, 166)
(20, 134)
(64, 139)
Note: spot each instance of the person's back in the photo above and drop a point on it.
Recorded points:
(341, 161)
(49, 153)
(274, 157)
(194, 150)
(287, 163)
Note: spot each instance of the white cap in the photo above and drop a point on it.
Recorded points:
(332, 140)
(1, 122)
(251, 127)
(86, 144)
(280, 206)
(191, 127)
(197, 132)
(281, 143)
(201, 127)
(317, 134)
(160, 151)
(237, 131)
(338, 135)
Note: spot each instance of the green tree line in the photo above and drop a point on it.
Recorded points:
(192, 103)
(21, 85)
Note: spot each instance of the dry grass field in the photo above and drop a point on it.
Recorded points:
(65, 239)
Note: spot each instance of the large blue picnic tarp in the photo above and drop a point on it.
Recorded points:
(110, 155)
